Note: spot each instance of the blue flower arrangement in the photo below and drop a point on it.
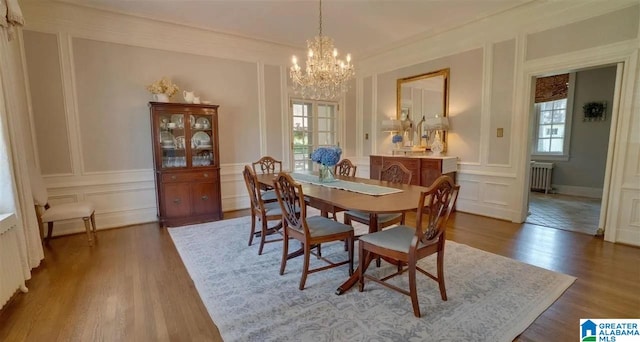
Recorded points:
(396, 139)
(327, 156)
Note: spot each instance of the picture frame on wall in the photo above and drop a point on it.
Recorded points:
(595, 111)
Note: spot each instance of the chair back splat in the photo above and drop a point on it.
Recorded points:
(404, 246)
(396, 173)
(294, 211)
(441, 197)
(267, 164)
(263, 211)
(310, 231)
(392, 173)
(345, 168)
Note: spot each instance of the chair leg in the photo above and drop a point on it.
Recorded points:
(412, 288)
(263, 236)
(319, 250)
(49, 230)
(305, 267)
(347, 221)
(40, 225)
(350, 240)
(378, 261)
(93, 224)
(443, 290)
(361, 267)
(87, 226)
(253, 228)
(285, 251)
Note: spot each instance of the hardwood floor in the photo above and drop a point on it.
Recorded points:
(133, 286)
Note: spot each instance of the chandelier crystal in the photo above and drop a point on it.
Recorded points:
(325, 76)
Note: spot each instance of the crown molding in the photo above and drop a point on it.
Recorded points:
(529, 18)
(102, 25)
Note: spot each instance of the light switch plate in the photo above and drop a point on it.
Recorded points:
(500, 132)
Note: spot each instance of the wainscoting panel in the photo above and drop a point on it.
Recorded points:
(486, 195)
(120, 198)
(129, 197)
(496, 193)
(469, 190)
(362, 165)
(234, 191)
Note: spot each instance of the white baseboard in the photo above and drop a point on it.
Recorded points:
(106, 220)
(581, 191)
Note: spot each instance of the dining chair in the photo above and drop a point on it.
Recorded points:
(404, 245)
(267, 165)
(47, 213)
(263, 211)
(345, 168)
(309, 231)
(392, 173)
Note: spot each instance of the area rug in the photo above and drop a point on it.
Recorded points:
(490, 297)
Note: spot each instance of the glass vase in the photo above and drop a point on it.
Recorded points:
(326, 174)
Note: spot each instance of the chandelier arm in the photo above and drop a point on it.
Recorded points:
(325, 76)
(320, 18)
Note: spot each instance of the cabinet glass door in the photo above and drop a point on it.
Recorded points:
(201, 140)
(172, 140)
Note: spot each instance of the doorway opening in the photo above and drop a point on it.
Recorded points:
(571, 131)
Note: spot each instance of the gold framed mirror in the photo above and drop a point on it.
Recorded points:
(422, 104)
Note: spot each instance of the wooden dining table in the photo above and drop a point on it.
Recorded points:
(328, 199)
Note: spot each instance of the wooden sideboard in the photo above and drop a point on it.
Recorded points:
(426, 169)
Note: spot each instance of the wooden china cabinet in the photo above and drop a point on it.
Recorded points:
(186, 162)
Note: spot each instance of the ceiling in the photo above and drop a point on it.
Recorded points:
(360, 27)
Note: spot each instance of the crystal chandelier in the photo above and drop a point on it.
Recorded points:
(325, 77)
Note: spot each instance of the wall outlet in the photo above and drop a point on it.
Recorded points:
(366, 136)
(500, 132)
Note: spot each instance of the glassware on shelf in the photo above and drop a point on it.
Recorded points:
(202, 160)
(169, 162)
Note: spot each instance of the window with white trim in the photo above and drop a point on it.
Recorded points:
(552, 131)
(314, 124)
(552, 119)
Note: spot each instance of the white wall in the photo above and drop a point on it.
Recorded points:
(493, 63)
(88, 72)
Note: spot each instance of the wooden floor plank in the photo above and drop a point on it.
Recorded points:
(133, 286)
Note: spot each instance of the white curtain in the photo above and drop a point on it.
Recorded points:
(15, 143)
